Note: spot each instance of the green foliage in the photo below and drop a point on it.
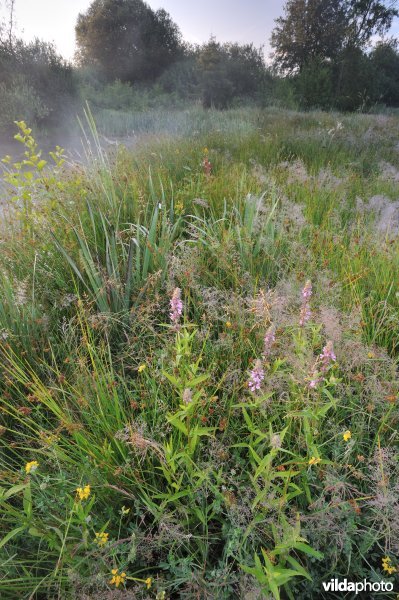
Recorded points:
(385, 63)
(310, 30)
(321, 29)
(36, 84)
(228, 71)
(314, 86)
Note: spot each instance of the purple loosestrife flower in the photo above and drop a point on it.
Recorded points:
(322, 364)
(176, 307)
(314, 382)
(256, 376)
(306, 313)
(327, 357)
(269, 340)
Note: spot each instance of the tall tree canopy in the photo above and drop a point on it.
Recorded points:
(127, 39)
(321, 29)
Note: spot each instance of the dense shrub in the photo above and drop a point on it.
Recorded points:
(37, 84)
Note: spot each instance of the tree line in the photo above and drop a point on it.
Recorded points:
(322, 58)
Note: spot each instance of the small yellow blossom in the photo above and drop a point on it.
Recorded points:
(148, 582)
(117, 578)
(205, 151)
(84, 492)
(31, 466)
(371, 355)
(141, 368)
(314, 460)
(125, 511)
(101, 539)
(387, 565)
(347, 435)
(228, 324)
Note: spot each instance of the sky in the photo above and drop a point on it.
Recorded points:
(228, 20)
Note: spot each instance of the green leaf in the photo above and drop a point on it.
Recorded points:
(10, 535)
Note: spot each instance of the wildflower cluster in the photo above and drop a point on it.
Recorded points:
(31, 466)
(117, 578)
(388, 566)
(256, 376)
(347, 435)
(83, 492)
(101, 539)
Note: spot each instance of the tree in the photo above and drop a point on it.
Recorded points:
(322, 29)
(309, 30)
(366, 18)
(229, 71)
(127, 39)
(385, 62)
(353, 81)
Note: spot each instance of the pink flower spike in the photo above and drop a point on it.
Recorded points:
(256, 376)
(176, 306)
(327, 357)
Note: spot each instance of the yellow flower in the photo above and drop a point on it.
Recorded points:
(101, 539)
(387, 565)
(314, 460)
(31, 466)
(125, 511)
(148, 582)
(117, 578)
(347, 435)
(228, 324)
(371, 355)
(141, 368)
(84, 492)
(205, 151)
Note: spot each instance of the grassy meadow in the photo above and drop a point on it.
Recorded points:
(199, 340)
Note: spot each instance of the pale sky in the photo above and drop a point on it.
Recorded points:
(229, 20)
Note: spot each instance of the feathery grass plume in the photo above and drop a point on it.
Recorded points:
(270, 338)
